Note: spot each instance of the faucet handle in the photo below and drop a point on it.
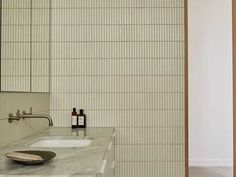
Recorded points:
(18, 112)
(25, 113)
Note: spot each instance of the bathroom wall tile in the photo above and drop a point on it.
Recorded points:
(149, 119)
(123, 62)
(118, 50)
(15, 67)
(149, 153)
(21, 17)
(116, 67)
(40, 46)
(40, 83)
(40, 33)
(120, 3)
(15, 3)
(40, 4)
(16, 33)
(40, 67)
(40, 16)
(21, 83)
(123, 101)
(106, 16)
(16, 50)
(163, 135)
(124, 118)
(119, 33)
(153, 169)
(113, 84)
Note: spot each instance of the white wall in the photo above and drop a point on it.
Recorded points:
(210, 82)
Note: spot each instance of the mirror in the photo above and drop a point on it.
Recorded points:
(25, 45)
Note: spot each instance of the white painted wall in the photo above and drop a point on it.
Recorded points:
(210, 82)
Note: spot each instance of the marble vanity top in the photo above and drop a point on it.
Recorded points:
(81, 162)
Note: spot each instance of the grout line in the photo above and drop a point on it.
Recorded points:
(94, 24)
(75, 8)
(50, 48)
(88, 41)
(31, 34)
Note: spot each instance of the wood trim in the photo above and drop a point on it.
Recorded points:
(186, 88)
(0, 44)
(234, 85)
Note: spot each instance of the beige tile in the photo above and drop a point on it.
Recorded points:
(125, 66)
(150, 169)
(149, 153)
(40, 17)
(126, 84)
(119, 50)
(15, 3)
(97, 67)
(41, 3)
(11, 17)
(119, 101)
(106, 16)
(137, 136)
(118, 33)
(120, 3)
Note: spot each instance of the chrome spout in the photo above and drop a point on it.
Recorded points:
(29, 115)
(26, 115)
(38, 116)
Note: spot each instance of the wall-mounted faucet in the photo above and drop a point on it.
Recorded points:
(29, 115)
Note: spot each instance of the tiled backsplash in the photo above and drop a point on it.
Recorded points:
(123, 62)
(9, 103)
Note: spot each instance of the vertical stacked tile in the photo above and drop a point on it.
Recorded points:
(40, 46)
(123, 62)
(15, 45)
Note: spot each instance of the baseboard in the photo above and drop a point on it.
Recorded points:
(211, 162)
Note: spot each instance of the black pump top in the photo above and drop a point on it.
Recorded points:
(81, 111)
(74, 109)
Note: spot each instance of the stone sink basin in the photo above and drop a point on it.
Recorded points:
(60, 142)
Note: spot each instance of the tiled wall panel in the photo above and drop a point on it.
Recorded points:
(40, 48)
(15, 46)
(25, 49)
(123, 62)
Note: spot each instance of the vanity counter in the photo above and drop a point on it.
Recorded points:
(80, 161)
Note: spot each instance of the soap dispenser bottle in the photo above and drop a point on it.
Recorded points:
(74, 119)
(81, 119)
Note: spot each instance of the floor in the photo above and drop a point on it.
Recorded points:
(210, 172)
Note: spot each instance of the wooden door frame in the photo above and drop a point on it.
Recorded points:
(186, 88)
(234, 84)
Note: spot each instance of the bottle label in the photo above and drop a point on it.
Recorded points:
(74, 120)
(81, 120)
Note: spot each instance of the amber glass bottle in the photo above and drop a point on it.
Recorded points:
(74, 119)
(81, 119)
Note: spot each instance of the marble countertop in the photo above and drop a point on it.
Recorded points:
(81, 162)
